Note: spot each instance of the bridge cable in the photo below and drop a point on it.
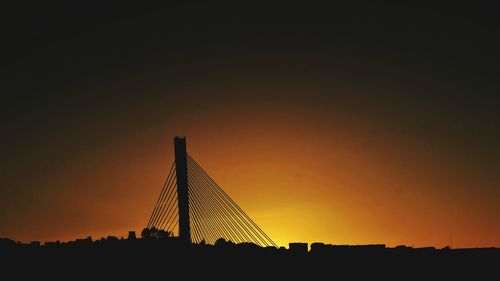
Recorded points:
(165, 201)
(225, 213)
(215, 210)
(168, 204)
(237, 218)
(155, 210)
(249, 222)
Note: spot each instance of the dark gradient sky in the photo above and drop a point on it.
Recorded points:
(346, 124)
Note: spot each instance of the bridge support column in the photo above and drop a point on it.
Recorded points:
(182, 188)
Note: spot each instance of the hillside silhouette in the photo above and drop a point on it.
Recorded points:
(167, 257)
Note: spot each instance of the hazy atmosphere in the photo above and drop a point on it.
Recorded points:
(347, 125)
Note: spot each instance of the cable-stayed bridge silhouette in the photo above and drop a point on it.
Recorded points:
(195, 207)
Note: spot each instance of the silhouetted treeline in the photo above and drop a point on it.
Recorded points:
(168, 258)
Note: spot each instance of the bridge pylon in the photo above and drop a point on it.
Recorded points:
(182, 188)
(192, 203)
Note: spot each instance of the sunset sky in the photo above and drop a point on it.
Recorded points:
(346, 125)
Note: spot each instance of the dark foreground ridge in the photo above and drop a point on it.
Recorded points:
(159, 257)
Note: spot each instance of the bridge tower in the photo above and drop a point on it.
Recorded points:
(182, 188)
(214, 214)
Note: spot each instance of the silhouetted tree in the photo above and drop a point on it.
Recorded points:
(112, 238)
(162, 234)
(155, 233)
(146, 233)
(220, 242)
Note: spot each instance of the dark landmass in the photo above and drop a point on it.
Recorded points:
(167, 258)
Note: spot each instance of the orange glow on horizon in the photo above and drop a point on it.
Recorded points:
(310, 179)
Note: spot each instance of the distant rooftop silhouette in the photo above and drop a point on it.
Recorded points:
(153, 257)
